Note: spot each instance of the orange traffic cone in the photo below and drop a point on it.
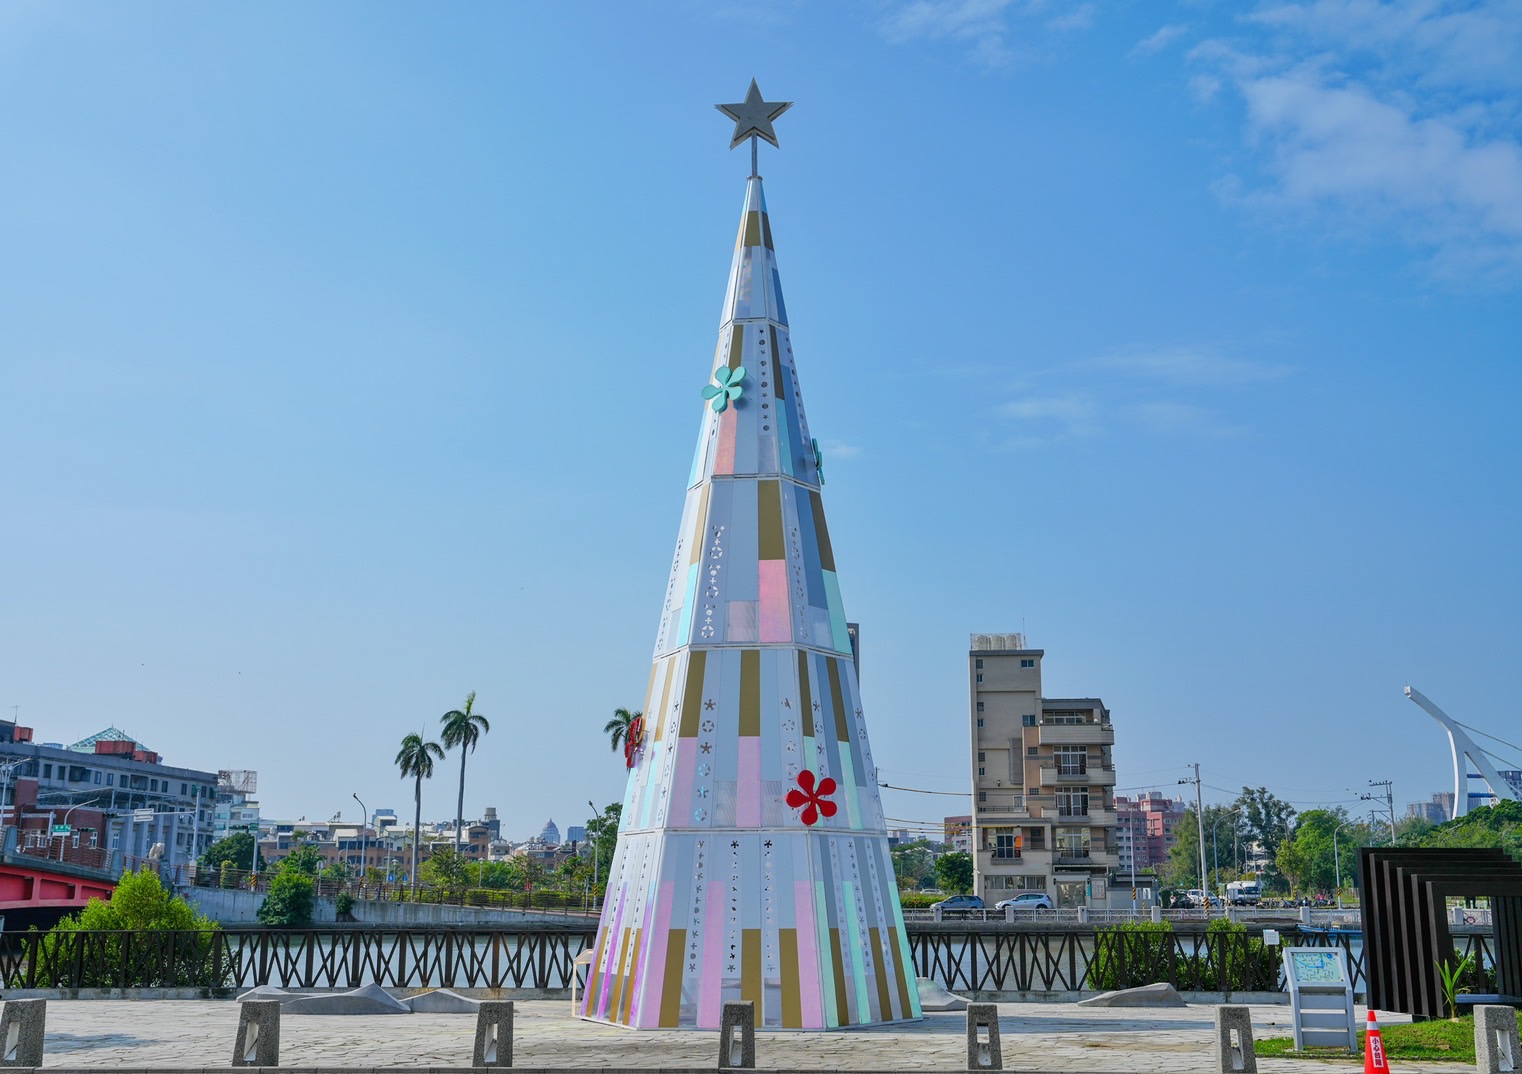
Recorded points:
(1374, 1061)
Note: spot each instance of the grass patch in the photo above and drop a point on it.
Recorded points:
(1441, 1039)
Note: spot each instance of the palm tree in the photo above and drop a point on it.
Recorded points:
(617, 729)
(463, 728)
(415, 759)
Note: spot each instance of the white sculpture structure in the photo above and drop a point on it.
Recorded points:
(1464, 746)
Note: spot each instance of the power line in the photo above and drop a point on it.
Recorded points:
(917, 790)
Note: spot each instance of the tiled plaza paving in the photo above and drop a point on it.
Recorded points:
(1037, 1037)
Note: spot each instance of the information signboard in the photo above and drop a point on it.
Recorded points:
(1321, 997)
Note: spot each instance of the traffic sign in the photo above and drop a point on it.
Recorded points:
(144, 814)
(62, 829)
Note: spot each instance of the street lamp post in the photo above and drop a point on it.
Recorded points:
(1337, 860)
(364, 841)
(590, 822)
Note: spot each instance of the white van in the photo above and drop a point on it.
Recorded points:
(1244, 892)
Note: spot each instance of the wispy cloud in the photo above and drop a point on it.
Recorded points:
(1384, 120)
(1159, 41)
(837, 449)
(984, 26)
(1173, 418)
(1053, 415)
(1188, 366)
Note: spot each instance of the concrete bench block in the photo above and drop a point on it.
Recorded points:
(983, 1049)
(258, 1043)
(1233, 1040)
(494, 1034)
(1496, 1046)
(737, 1036)
(21, 1031)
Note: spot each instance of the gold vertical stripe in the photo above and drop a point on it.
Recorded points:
(805, 695)
(792, 1008)
(615, 1004)
(769, 520)
(629, 981)
(658, 717)
(822, 532)
(695, 539)
(900, 970)
(692, 697)
(779, 378)
(750, 968)
(750, 692)
(596, 970)
(671, 986)
(884, 997)
(842, 986)
(752, 229)
(837, 700)
(736, 345)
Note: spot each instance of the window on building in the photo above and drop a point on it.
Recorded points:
(1072, 801)
(1027, 662)
(1035, 838)
(980, 706)
(980, 721)
(153, 784)
(1004, 843)
(978, 663)
(1071, 843)
(184, 790)
(1029, 883)
(97, 779)
(110, 779)
(982, 771)
(1072, 760)
(47, 771)
(1030, 751)
(1028, 720)
(980, 676)
(980, 756)
(982, 796)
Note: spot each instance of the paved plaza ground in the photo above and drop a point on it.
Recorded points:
(1036, 1037)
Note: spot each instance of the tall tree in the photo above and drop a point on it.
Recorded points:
(1267, 820)
(954, 871)
(617, 729)
(1223, 834)
(415, 759)
(463, 728)
(1315, 853)
(602, 835)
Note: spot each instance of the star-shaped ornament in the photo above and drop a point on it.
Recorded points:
(753, 116)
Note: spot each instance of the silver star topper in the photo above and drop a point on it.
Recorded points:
(753, 117)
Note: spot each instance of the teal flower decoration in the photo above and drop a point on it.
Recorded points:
(726, 387)
(819, 462)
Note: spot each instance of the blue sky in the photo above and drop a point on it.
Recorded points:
(349, 358)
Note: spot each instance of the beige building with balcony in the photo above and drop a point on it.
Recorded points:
(1043, 781)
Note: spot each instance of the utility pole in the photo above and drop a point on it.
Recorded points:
(1388, 798)
(1199, 816)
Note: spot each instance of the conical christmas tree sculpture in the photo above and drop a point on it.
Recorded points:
(752, 859)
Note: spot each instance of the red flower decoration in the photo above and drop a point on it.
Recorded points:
(634, 740)
(814, 799)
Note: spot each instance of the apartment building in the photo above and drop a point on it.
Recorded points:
(1043, 781)
(1148, 822)
(106, 793)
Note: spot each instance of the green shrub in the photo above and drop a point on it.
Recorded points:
(289, 901)
(169, 943)
(227, 876)
(1135, 953)
(344, 904)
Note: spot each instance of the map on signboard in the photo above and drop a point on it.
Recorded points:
(1317, 967)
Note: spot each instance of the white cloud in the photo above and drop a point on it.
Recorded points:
(1384, 120)
(1159, 41)
(1054, 416)
(836, 449)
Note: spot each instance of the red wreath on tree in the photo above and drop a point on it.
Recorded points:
(634, 740)
(814, 799)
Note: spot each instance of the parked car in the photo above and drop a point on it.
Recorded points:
(1027, 900)
(958, 902)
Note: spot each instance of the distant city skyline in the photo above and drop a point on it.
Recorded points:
(352, 358)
